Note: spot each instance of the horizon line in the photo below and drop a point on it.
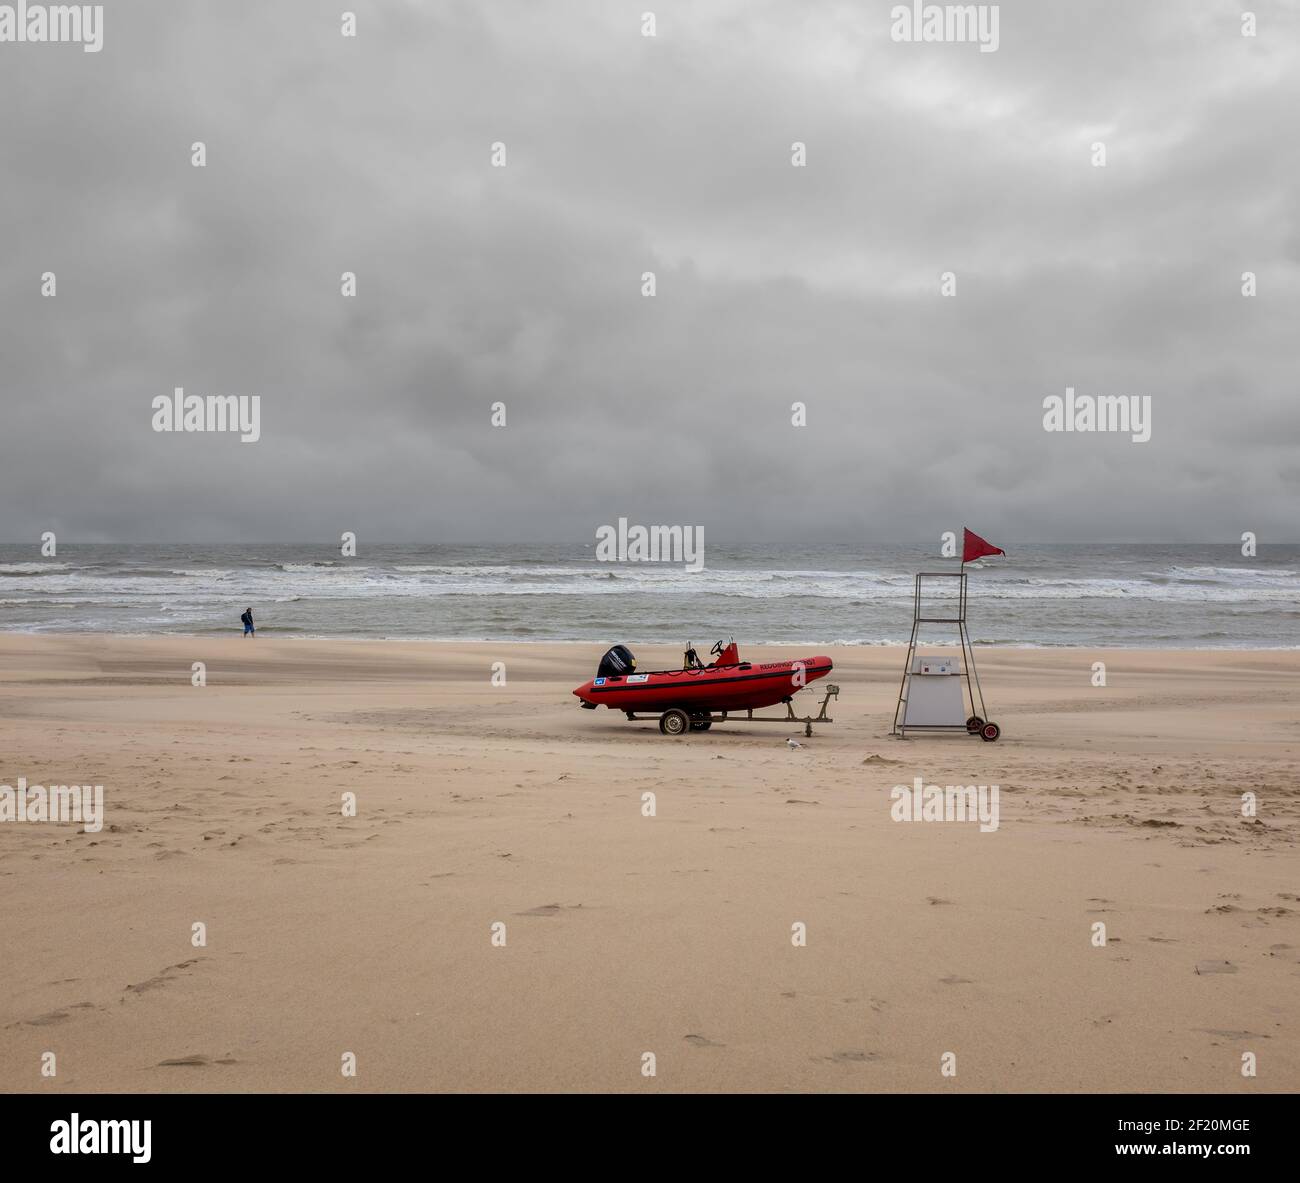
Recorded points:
(333, 544)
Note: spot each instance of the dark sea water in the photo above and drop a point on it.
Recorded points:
(1201, 596)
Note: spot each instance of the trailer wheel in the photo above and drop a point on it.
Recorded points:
(974, 724)
(674, 722)
(990, 732)
(701, 722)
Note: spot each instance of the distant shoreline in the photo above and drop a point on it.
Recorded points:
(1204, 597)
(270, 633)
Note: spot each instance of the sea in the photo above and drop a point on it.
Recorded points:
(1134, 595)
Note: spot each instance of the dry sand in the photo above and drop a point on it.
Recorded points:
(627, 934)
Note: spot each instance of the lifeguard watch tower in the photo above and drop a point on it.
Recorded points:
(934, 693)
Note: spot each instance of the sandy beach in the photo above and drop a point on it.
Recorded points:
(627, 934)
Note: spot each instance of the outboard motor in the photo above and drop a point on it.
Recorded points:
(617, 663)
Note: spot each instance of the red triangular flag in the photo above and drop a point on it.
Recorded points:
(974, 547)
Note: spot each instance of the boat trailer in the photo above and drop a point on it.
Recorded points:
(676, 721)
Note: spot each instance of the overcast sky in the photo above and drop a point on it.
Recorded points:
(671, 154)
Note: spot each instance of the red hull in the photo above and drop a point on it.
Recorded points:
(742, 687)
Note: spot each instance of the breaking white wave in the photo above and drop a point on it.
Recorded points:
(1117, 595)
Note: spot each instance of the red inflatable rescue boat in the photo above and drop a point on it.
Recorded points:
(689, 696)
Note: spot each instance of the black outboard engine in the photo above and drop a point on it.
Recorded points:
(617, 663)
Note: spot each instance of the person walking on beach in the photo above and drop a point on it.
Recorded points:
(247, 618)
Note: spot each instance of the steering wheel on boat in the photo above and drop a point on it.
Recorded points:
(717, 649)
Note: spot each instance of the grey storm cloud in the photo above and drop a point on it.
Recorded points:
(669, 154)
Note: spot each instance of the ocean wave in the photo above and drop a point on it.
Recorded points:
(1198, 596)
(342, 583)
(32, 568)
(1232, 572)
(200, 572)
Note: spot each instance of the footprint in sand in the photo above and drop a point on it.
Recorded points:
(45, 1020)
(548, 909)
(1215, 967)
(853, 1056)
(193, 1062)
(162, 978)
(54, 1016)
(954, 980)
(701, 1041)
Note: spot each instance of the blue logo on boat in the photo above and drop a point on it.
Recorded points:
(599, 682)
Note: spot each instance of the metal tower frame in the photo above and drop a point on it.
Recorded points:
(968, 670)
